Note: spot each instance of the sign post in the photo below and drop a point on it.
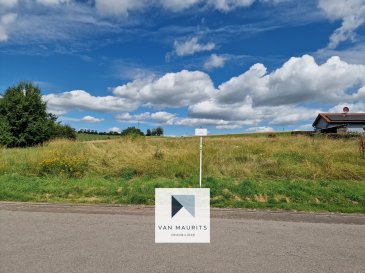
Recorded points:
(201, 132)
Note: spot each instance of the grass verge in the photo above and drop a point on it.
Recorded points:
(321, 195)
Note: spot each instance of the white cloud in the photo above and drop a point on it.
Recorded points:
(163, 117)
(114, 129)
(351, 12)
(160, 117)
(260, 129)
(124, 117)
(252, 98)
(227, 5)
(171, 90)
(178, 5)
(53, 2)
(214, 61)
(196, 122)
(91, 119)
(8, 3)
(189, 47)
(353, 55)
(81, 100)
(298, 80)
(288, 114)
(354, 107)
(304, 127)
(133, 118)
(5, 21)
(221, 5)
(237, 88)
(118, 7)
(228, 127)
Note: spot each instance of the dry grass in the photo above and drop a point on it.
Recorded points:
(283, 157)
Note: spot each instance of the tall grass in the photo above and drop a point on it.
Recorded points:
(282, 157)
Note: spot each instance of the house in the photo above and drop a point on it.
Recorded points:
(340, 122)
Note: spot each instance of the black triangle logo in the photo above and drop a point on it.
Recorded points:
(175, 206)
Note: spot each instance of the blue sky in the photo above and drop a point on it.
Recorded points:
(228, 65)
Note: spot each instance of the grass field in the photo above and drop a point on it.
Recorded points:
(90, 137)
(286, 172)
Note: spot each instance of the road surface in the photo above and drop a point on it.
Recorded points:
(54, 238)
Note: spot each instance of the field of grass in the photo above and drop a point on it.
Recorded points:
(285, 172)
(89, 137)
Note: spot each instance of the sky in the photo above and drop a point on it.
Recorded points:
(231, 66)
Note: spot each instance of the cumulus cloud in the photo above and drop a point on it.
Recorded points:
(114, 129)
(191, 46)
(133, 118)
(53, 2)
(351, 12)
(117, 7)
(178, 5)
(252, 98)
(354, 107)
(171, 90)
(61, 103)
(8, 3)
(260, 129)
(228, 127)
(91, 119)
(298, 80)
(227, 5)
(220, 5)
(163, 117)
(122, 7)
(5, 21)
(160, 117)
(214, 61)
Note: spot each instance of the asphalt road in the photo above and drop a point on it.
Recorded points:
(70, 238)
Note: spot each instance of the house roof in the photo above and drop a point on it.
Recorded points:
(341, 118)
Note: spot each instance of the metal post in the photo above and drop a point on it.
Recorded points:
(201, 159)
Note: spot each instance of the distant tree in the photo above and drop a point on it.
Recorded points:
(24, 118)
(159, 131)
(132, 131)
(148, 132)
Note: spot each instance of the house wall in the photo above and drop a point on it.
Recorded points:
(321, 124)
(356, 128)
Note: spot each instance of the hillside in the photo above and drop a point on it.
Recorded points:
(244, 171)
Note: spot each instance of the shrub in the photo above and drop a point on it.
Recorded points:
(128, 174)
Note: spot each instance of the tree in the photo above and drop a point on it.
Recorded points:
(132, 131)
(24, 118)
(159, 131)
(63, 131)
(148, 133)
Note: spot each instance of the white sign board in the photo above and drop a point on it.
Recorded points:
(201, 132)
(182, 215)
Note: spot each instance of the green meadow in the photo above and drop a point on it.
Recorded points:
(247, 171)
